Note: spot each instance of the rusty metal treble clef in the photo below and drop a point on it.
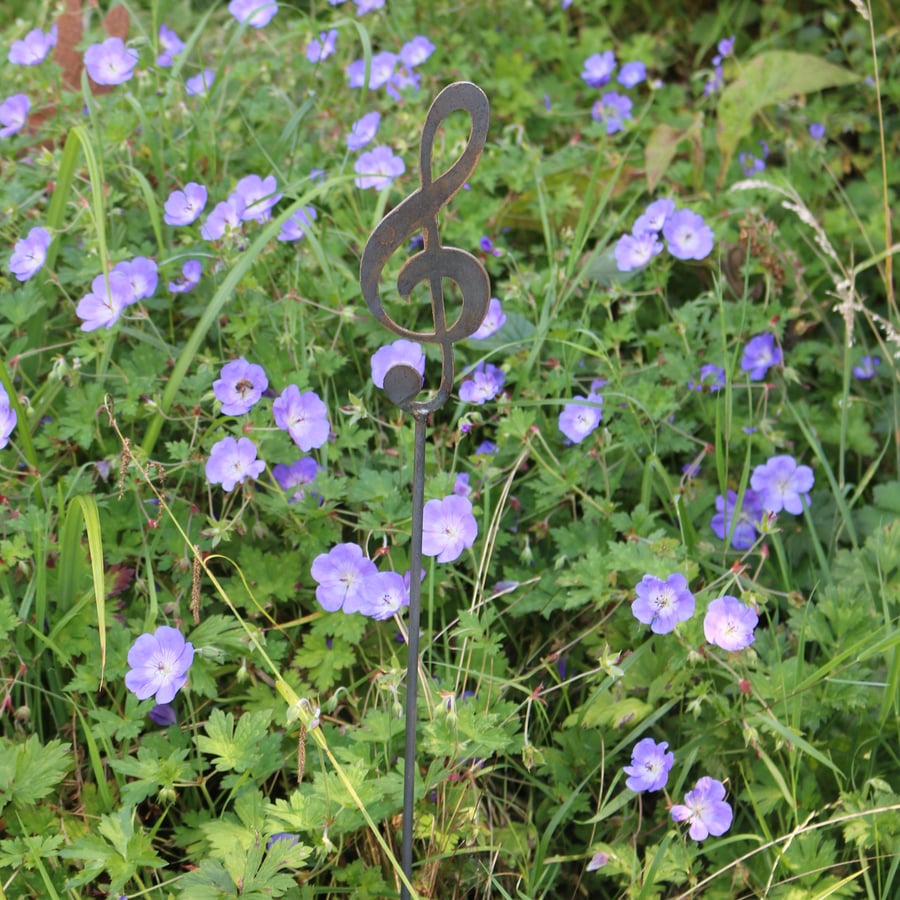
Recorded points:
(402, 383)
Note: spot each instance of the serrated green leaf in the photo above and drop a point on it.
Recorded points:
(324, 659)
(235, 748)
(31, 770)
(24, 851)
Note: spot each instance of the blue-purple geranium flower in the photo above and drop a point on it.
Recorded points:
(663, 603)
(239, 386)
(340, 574)
(449, 527)
(782, 484)
(729, 624)
(650, 766)
(159, 664)
(706, 809)
(30, 253)
(303, 416)
(232, 461)
(748, 519)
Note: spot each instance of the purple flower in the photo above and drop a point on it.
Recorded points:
(782, 484)
(414, 52)
(356, 73)
(817, 131)
(751, 164)
(109, 295)
(863, 370)
(320, 48)
(285, 835)
(633, 251)
(485, 383)
(760, 354)
(383, 594)
(110, 62)
(581, 417)
(449, 528)
(225, 218)
(142, 274)
(711, 376)
(599, 859)
(650, 766)
(163, 714)
(303, 416)
(377, 168)
(232, 461)
(367, 6)
(486, 448)
(461, 486)
(190, 277)
(363, 131)
(8, 418)
(729, 624)
(401, 79)
(159, 664)
(492, 322)
(301, 472)
(171, 45)
(688, 236)
(383, 65)
(239, 386)
(184, 207)
(631, 74)
(258, 196)
(655, 216)
(714, 83)
(198, 85)
(294, 228)
(598, 68)
(400, 353)
(256, 13)
(340, 575)
(705, 808)
(725, 47)
(13, 113)
(30, 253)
(33, 48)
(746, 525)
(663, 604)
(613, 109)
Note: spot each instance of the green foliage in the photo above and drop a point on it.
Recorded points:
(29, 771)
(277, 771)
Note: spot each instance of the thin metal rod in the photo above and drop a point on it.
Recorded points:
(412, 658)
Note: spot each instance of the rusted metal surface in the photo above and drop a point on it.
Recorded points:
(402, 384)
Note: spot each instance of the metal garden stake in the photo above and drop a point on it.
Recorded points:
(435, 262)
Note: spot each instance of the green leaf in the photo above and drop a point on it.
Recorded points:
(152, 773)
(236, 748)
(770, 77)
(31, 770)
(324, 663)
(118, 850)
(27, 850)
(249, 873)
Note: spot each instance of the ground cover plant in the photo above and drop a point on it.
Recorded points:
(659, 634)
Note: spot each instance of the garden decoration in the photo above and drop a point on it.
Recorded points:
(402, 383)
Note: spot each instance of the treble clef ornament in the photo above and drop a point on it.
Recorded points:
(418, 212)
(434, 263)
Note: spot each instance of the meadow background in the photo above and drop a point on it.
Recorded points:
(674, 447)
